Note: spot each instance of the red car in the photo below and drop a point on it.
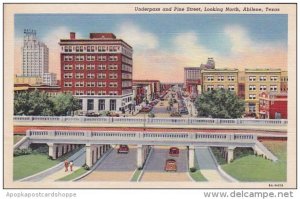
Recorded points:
(123, 149)
(174, 151)
(170, 165)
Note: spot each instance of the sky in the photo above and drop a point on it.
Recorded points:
(164, 44)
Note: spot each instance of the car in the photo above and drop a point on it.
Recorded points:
(123, 149)
(170, 165)
(174, 151)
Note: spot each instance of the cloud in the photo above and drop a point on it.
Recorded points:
(136, 37)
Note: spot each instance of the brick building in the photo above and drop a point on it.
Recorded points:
(192, 79)
(97, 70)
(273, 105)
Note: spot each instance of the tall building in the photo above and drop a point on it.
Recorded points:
(258, 81)
(98, 70)
(220, 78)
(284, 81)
(49, 79)
(35, 55)
(192, 79)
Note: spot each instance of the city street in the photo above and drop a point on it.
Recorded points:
(115, 167)
(154, 170)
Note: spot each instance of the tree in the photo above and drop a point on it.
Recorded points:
(32, 103)
(65, 104)
(220, 103)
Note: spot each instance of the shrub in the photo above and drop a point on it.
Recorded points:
(19, 152)
(193, 169)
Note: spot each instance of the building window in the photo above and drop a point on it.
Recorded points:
(68, 67)
(252, 87)
(90, 76)
(79, 84)
(210, 78)
(113, 58)
(90, 67)
(263, 88)
(252, 107)
(79, 67)
(90, 92)
(101, 58)
(220, 86)
(273, 88)
(90, 48)
(113, 84)
(252, 96)
(262, 78)
(90, 84)
(68, 84)
(252, 78)
(101, 76)
(101, 105)
(90, 58)
(68, 58)
(230, 78)
(68, 48)
(79, 92)
(113, 92)
(79, 48)
(90, 104)
(101, 84)
(113, 67)
(79, 58)
(112, 105)
(80, 103)
(101, 48)
(231, 87)
(273, 78)
(101, 67)
(220, 78)
(102, 93)
(79, 75)
(113, 75)
(210, 87)
(68, 75)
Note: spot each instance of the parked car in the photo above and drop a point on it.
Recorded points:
(123, 149)
(174, 151)
(170, 165)
(146, 109)
(113, 114)
(91, 114)
(175, 114)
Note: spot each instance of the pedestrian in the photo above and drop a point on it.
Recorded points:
(66, 165)
(71, 165)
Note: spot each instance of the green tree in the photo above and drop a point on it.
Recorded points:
(220, 103)
(33, 103)
(65, 104)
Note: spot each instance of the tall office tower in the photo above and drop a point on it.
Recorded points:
(35, 56)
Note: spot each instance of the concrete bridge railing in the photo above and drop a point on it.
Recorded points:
(167, 121)
(141, 136)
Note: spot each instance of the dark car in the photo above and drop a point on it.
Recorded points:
(123, 149)
(174, 151)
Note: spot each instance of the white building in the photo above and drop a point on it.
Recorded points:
(35, 56)
(49, 79)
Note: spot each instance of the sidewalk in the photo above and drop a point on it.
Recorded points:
(207, 165)
(77, 164)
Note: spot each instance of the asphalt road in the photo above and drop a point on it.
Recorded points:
(115, 167)
(154, 169)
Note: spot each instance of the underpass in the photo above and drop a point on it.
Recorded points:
(115, 167)
(155, 169)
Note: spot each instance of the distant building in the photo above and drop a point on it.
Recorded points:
(35, 55)
(28, 80)
(210, 64)
(50, 90)
(146, 89)
(273, 105)
(284, 81)
(49, 79)
(258, 81)
(220, 79)
(97, 70)
(192, 80)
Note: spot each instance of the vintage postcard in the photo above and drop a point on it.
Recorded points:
(150, 96)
